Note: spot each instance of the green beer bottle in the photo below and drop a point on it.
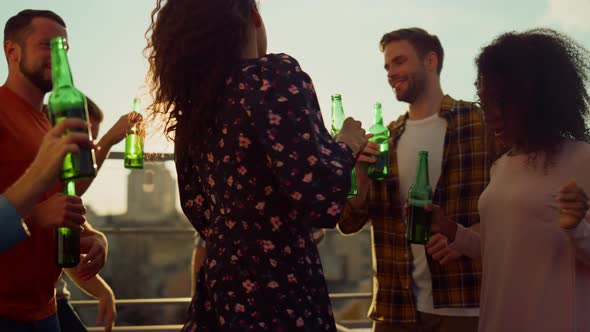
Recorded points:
(67, 241)
(380, 169)
(66, 101)
(337, 121)
(134, 141)
(419, 220)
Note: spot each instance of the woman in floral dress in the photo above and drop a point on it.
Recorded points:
(256, 166)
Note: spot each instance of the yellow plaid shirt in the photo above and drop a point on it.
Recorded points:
(467, 156)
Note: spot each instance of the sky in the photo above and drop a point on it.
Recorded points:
(335, 42)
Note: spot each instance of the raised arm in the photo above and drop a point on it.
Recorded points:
(312, 168)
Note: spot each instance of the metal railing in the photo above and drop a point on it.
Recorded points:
(148, 156)
(186, 300)
(174, 327)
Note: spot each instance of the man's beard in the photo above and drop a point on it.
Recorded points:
(36, 77)
(416, 86)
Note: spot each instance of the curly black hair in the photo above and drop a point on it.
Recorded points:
(542, 76)
(192, 48)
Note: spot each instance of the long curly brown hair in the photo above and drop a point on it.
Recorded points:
(192, 47)
(542, 76)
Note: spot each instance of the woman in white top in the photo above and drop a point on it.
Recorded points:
(535, 233)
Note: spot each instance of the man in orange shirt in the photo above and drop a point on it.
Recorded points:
(29, 273)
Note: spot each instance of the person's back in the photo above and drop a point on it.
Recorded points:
(259, 186)
(256, 166)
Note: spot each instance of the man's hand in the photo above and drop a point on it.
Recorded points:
(60, 210)
(438, 248)
(441, 223)
(363, 181)
(366, 157)
(370, 150)
(98, 288)
(53, 149)
(116, 134)
(94, 249)
(107, 311)
(119, 130)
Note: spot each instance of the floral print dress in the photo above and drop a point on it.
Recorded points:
(270, 172)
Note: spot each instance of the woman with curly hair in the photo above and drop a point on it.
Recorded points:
(535, 231)
(256, 167)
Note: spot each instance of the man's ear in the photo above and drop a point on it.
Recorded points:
(12, 51)
(431, 61)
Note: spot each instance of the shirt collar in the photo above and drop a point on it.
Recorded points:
(396, 128)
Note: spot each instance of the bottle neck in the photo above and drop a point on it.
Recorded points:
(70, 188)
(337, 115)
(137, 105)
(60, 67)
(378, 116)
(378, 130)
(422, 178)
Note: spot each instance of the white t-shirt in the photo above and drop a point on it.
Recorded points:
(424, 135)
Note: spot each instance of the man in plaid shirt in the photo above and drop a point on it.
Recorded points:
(412, 291)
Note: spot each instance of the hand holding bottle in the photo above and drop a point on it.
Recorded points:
(65, 101)
(370, 152)
(134, 154)
(55, 146)
(440, 222)
(367, 156)
(119, 130)
(59, 210)
(44, 172)
(353, 135)
(573, 205)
